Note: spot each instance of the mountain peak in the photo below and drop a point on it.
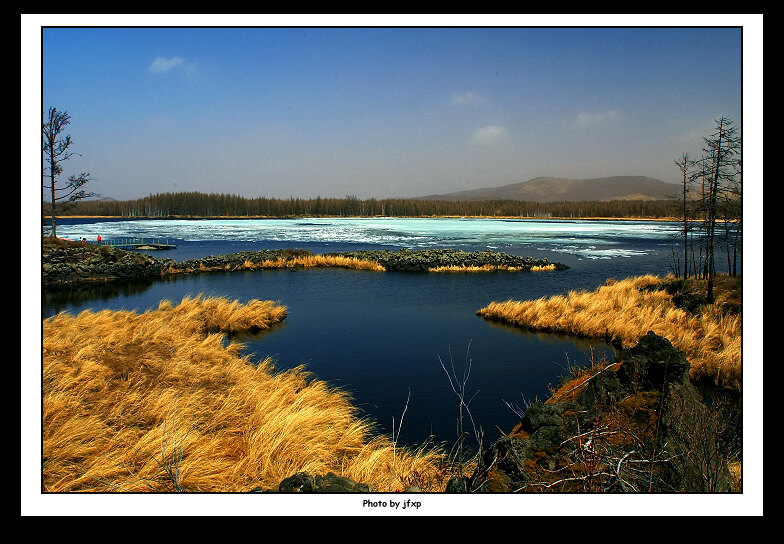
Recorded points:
(554, 189)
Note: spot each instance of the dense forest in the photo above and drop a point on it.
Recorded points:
(196, 204)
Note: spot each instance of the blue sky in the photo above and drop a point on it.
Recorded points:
(382, 112)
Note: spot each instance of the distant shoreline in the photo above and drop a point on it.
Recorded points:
(662, 219)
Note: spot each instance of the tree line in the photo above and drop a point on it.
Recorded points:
(210, 205)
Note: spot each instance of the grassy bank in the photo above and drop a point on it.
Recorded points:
(304, 260)
(317, 261)
(623, 311)
(161, 401)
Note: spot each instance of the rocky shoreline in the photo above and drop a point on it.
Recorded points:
(67, 263)
(407, 260)
(633, 424)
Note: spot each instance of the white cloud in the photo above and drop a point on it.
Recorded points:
(587, 119)
(467, 98)
(492, 134)
(162, 64)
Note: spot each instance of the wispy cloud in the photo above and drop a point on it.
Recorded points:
(588, 119)
(162, 64)
(467, 98)
(489, 135)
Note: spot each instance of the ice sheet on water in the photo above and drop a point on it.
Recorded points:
(591, 252)
(582, 238)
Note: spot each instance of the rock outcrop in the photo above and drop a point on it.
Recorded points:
(406, 260)
(636, 424)
(66, 263)
(234, 261)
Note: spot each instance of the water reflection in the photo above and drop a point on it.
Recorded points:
(59, 299)
(599, 348)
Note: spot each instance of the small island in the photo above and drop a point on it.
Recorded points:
(66, 262)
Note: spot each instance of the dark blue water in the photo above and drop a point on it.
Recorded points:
(386, 337)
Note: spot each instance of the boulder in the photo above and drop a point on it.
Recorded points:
(302, 482)
(332, 483)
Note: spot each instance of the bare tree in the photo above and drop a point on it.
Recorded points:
(56, 150)
(685, 164)
(733, 218)
(722, 147)
(718, 180)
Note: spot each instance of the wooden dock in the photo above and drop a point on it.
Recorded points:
(138, 243)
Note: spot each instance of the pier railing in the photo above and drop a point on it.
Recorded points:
(137, 243)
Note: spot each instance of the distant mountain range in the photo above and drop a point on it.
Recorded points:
(551, 189)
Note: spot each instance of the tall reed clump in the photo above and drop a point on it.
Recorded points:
(316, 261)
(161, 401)
(623, 311)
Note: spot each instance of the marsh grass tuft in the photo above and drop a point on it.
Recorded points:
(621, 311)
(474, 268)
(314, 261)
(160, 401)
(537, 268)
(489, 268)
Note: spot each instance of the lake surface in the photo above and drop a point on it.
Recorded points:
(385, 336)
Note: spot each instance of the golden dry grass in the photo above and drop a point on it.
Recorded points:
(316, 261)
(624, 311)
(161, 401)
(487, 268)
(302, 261)
(473, 268)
